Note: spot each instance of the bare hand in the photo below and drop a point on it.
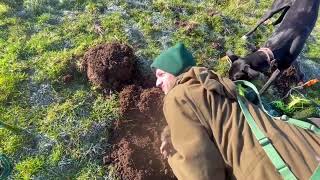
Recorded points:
(165, 149)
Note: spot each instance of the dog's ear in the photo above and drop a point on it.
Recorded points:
(231, 56)
(251, 73)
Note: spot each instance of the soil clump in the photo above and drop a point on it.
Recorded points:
(287, 79)
(109, 65)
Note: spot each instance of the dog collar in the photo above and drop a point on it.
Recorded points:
(269, 54)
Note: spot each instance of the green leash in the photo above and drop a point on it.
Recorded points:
(266, 144)
(5, 167)
(316, 174)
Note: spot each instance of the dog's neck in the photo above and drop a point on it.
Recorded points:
(259, 60)
(268, 53)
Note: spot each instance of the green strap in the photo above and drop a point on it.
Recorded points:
(266, 144)
(268, 147)
(302, 124)
(253, 87)
(316, 174)
(5, 167)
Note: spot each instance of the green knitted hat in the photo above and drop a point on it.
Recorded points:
(174, 60)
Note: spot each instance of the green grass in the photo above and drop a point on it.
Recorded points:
(29, 167)
(41, 41)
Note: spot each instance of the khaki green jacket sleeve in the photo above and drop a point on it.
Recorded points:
(197, 157)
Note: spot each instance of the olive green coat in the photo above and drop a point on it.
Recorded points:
(214, 141)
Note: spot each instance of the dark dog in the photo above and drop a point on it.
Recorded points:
(276, 7)
(283, 46)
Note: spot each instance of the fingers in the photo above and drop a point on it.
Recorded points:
(165, 154)
(164, 149)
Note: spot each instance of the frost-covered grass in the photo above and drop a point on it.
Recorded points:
(41, 41)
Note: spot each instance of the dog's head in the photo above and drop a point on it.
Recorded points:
(240, 69)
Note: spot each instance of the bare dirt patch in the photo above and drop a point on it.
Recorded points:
(136, 136)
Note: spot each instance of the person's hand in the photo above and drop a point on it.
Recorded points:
(165, 149)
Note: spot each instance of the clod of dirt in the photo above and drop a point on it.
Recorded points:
(289, 78)
(218, 44)
(109, 65)
(189, 26)
(212, 12)
(67, 79)
(151, 101)
(129, 96)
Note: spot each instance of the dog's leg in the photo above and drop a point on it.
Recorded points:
(297, 45)
(281, 17)
(264, 18)
(274, 10)
(270, 80)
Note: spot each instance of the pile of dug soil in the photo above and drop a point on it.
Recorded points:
(136, 137)
(129, 97)
(287, 79)
(291, 77)
(109, 65)
(151, 103)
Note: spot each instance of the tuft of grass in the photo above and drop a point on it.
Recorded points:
(51, 65)
(10, 143)
(8, 85)
(305, 113)
(222, 67)
(313, 43)
(56, 155)
(29, 167)
(13, 3)
(91, 172)
(113, 25)
(4, 9)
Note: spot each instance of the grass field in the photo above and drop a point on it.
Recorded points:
(42, 42)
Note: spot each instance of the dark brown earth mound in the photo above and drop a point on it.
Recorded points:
(150, 103)
(287, 79)
(129, 97)
(109, 65)
(136, 137)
